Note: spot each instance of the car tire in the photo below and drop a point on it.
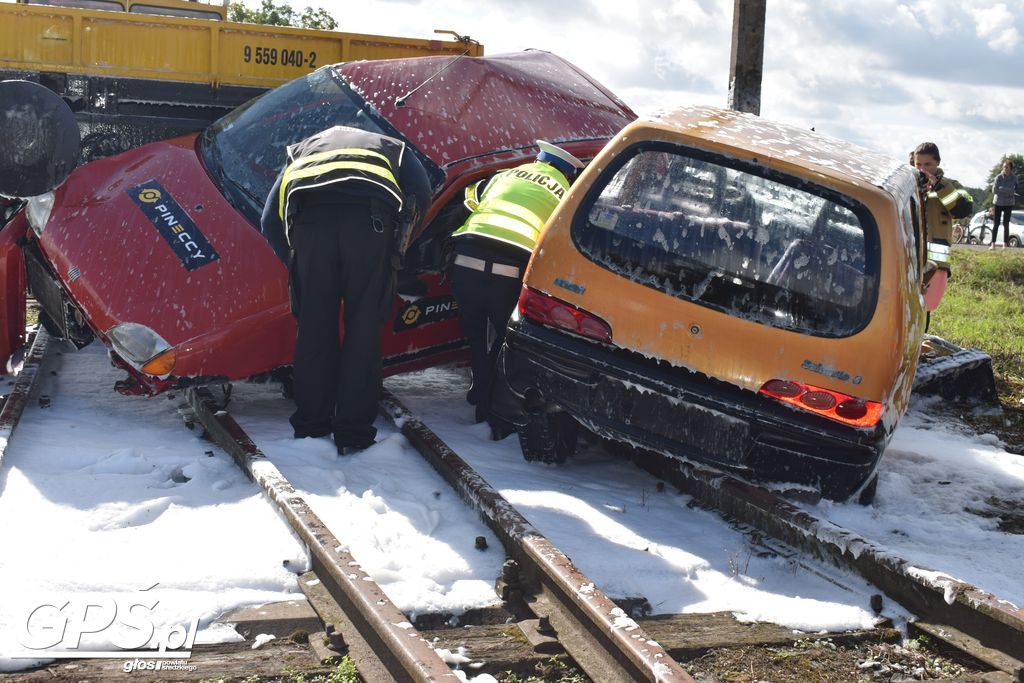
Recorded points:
(548, 437)
(971, 239)
(1014, 241)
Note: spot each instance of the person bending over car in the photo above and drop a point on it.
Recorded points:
(946, 201)
(346, 201)
(492, 248)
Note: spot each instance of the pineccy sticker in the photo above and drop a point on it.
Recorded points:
(174, 224)
(425, 312)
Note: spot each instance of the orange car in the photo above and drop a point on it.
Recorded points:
(725, 289)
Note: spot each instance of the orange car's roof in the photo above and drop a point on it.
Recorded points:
(770, 140)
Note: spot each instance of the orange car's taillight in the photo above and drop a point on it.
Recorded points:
(831, 404)
(547, 310)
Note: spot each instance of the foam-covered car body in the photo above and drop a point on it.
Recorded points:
(158, 253)
(729, 290)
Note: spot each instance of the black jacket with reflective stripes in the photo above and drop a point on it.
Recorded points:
(411, 204)
(343, 155)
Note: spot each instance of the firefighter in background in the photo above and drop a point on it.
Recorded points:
(492, 249)
(946, 201)
(347, 202)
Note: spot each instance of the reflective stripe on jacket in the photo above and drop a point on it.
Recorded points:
(946, 201)
(939, 254)
(516, 204)
(343, 155)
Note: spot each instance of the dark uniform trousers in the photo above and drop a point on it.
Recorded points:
(486, 300)
(340, 254)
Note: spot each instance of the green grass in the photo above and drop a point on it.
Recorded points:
(984, 308)
(31, 313)
(555, 669)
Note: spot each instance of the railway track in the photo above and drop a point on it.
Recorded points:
(17, 398)
(553, 600)
(556, 606)
(966, 618)
(607, 643)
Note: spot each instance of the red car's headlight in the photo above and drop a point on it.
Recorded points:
(37, 210)
(143, 348)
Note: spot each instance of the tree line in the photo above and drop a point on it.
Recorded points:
(282, 14)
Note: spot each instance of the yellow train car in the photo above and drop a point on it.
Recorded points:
(172, 66)
(728, 290)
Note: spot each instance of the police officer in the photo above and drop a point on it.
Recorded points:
(346, 202)
(492, 249)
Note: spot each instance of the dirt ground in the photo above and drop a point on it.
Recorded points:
(822, 661)
(807, 661)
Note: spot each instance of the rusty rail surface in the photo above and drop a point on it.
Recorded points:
(599, 635)
(966, 617)
(16, 401)
(387, 646)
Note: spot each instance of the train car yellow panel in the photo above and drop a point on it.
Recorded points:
(169, 40)
(251, 56)
(261, 55)
(383, 48)
(31, 40)
(147, 47)
(160, 68)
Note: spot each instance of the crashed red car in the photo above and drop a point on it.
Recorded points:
(157, 251)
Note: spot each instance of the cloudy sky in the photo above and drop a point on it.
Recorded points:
(881, 73)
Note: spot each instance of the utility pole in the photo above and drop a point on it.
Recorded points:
(745, 64)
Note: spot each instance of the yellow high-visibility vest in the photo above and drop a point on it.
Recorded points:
(516, 205)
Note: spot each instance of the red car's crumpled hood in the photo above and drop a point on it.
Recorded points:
(133, 238)
(453, 115)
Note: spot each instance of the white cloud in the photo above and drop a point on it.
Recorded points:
(940, 17)
(997, 26)
(904, 16)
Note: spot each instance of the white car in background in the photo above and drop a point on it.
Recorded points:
(980, 229)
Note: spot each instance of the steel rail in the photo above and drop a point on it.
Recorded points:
(16, 401)
(598, 634)
(994, 627)
(401, 653)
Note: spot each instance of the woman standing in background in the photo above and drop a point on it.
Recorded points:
(1004, 192)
